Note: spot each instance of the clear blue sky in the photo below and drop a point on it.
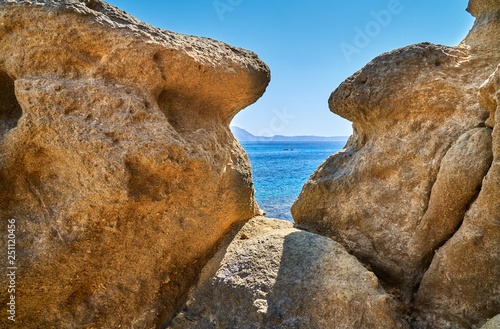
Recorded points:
(311, 46)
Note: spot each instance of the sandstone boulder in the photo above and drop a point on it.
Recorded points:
(116, 161)
(416, 161)
(273, 275)
(461, 289)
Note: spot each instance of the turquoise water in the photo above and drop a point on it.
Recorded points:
(280, 169)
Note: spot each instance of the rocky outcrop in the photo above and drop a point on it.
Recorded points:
(273, 275)
(120, 173)
(420, 172)
(383, 195)
(116, 161)
(462, 285)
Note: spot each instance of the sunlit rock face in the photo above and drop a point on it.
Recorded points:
(116, 161)
(414, 193)
(462, 285)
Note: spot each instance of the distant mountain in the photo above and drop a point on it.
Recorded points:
(244, 136)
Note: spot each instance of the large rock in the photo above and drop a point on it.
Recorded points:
(461, 289)
(116, 161)
(273, 275)
(416, 161)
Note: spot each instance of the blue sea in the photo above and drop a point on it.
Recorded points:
(280, 169)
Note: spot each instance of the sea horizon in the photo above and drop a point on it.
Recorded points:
(280, 169)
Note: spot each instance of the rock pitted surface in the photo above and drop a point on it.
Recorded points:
(116, 160)
(275, 276)
(415, 190)
(117, 163)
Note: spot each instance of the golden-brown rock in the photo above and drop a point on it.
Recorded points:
(275, 276)
(116, 160)
(461, 289)
(416, 161)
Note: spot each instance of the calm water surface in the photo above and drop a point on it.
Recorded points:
(280, 169)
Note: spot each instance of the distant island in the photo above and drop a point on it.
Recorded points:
(244, 136)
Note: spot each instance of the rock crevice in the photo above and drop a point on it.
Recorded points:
(118, 165)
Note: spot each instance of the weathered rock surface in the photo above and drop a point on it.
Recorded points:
(493, 323)
(273, 275)
(421, 171)
(116, 161)
(461, 289)
(416, 161)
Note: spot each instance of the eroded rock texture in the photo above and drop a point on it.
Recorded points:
(116, 160)
(275, 276)
(462, 285)
(422, 158)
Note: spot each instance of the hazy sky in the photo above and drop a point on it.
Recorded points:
(311, 46)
